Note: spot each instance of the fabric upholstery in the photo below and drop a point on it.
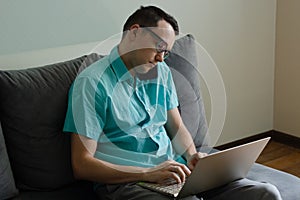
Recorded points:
(33, 103)
(79, 190)
(183, 64)
(7, 182)
(287, 184)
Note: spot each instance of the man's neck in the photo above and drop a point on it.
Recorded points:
(125, 55)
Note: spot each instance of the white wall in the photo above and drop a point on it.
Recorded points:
(238, 34)
(287, 82)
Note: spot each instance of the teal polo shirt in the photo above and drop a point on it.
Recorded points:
(123, 113)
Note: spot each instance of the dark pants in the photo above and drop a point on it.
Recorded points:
(243, 189)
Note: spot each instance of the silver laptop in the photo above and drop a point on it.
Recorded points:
(214, 170)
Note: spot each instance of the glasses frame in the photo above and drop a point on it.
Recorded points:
(161, 46)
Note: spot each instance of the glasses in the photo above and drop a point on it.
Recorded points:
(161, 45)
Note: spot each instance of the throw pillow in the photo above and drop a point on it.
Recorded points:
(33, 103)
(183, 64)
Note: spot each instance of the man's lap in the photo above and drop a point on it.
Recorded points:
(243, 189)
(240, 189)
(131, 191)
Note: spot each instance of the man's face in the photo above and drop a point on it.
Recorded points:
(152, 46)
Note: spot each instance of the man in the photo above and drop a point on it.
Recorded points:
(127, 128)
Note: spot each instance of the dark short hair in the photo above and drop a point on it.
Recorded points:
(148, 17)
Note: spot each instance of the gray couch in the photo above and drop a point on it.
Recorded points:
(35, 153)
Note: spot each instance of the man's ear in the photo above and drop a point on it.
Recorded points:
(134, 30)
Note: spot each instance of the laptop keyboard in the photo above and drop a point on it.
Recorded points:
(168, 188)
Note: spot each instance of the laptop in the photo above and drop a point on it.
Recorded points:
(214, 170)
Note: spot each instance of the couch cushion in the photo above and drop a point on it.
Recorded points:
(7, 182)
(79, 190)
(287, 184)
(33, 103)
(184, 67)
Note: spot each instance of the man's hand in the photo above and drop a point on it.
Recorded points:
(167, 170)
(192, 160)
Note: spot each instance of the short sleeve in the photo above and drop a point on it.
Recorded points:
(86, 108)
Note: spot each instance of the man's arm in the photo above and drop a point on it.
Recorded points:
(181, 138)
(86, 167)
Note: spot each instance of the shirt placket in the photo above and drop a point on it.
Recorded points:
(142, 97)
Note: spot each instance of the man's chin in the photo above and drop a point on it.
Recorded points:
(143, 69)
